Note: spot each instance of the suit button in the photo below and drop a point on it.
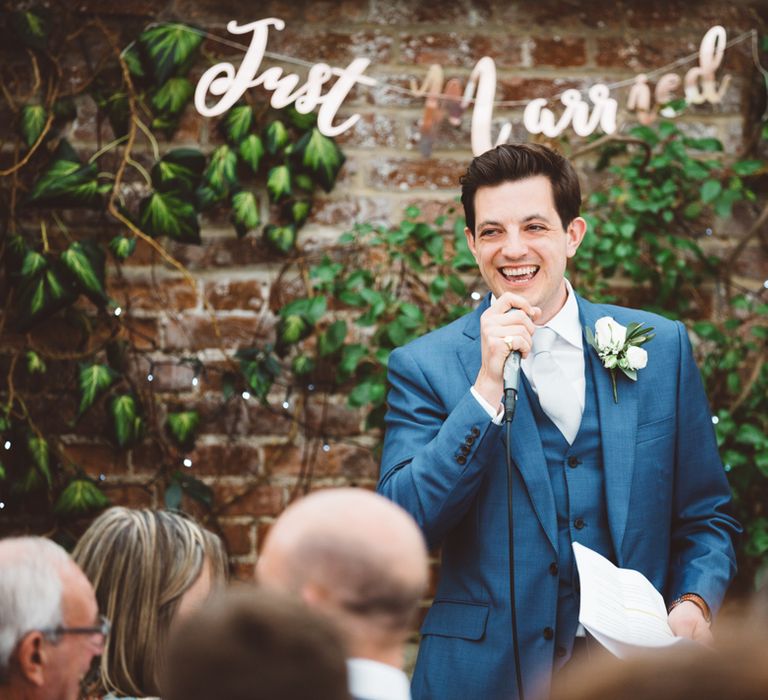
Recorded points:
(475, 430)
(461, 459)
(469, 440)
(553, 569)
(579, 523)
(560, 652)
(464, 449)
(573, 461)
(548, 633)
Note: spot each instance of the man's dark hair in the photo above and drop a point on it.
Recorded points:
(510, 162)
(253, 644)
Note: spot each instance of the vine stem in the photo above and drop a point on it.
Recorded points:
(108, 147)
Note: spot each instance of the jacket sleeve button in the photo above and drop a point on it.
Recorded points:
(461, 459)
(548, 633)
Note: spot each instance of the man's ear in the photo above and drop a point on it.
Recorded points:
(470, 241)
(31, 658)
(575, 233)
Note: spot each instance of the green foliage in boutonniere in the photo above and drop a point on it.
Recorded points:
(619, 347)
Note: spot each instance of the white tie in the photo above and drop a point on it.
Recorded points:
(557, 396)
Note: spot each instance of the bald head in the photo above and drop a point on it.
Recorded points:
(350, 550)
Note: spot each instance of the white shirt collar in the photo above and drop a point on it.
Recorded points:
(374, 680)
(566, 322)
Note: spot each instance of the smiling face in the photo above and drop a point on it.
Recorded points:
(519, 242)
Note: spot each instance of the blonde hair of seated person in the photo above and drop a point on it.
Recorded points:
(141, 564)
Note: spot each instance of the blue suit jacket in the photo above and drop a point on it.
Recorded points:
(665, 488)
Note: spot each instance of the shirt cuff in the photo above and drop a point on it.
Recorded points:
(494, 414)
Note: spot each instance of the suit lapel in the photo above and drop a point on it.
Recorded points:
(527, 452)
(618, 430)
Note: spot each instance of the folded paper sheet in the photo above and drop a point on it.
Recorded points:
(620, 607)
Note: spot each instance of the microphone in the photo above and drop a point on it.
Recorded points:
(511, 378)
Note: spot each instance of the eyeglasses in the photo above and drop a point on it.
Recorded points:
(54, 634)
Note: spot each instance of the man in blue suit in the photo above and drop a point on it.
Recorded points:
(636, 477)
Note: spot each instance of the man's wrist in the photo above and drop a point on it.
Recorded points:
(697, 600)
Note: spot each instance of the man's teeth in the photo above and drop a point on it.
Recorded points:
(519, 271)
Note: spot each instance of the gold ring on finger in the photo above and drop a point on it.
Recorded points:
(508, 340)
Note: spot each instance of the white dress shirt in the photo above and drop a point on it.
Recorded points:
(374, 680)
(567, 351)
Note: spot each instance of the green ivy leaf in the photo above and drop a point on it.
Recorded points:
(3, 474)
(179, 170)
(304, 182)
(35, 363)
(41, 460)
(126, 422)
(33, 263)
(43, 294)
(332, 338)
(118, 110)
(748, 167)
(172, 496)
(132, 59)
(33, 118)
(221, 173)
(710, 190)
(194, 488)
(302, 365)
(163, 214)
(93, 380)
(351, 356)
(172, 96)
(32, 28)
(68, 183)
(370, 391)
(320, 156)
(298, 211)
(279, 182)
(122, 247)
(170, 48)
(299, 120)
(80, 496)
(251, 151)
(85, 262)
(182, 426)
(291, 329)
(276, 137)
(245, 212)
(281, 238)
(238, 123)
(260, 369)
(206, 198)
(312, 308)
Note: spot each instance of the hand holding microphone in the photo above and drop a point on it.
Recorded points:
(506, 332)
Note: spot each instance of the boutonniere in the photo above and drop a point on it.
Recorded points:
(618, 347)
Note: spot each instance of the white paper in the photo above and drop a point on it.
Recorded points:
(620, 607)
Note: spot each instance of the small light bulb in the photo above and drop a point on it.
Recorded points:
(715, 420)
(117, 311)
(195, 381)
(102, 477)
(326, 447)
(2, 505)
(187, 462)
(475, 295)
(246, 395)
(765, 284)
(310, 387)
(7, 445)
(286, 405)
(727, 467)
(150, 377)
(708, 231)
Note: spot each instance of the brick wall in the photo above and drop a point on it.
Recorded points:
(252, 455)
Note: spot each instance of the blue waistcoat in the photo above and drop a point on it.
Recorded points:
(578, 485)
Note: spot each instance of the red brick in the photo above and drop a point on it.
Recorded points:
(403, 12)
(670, 15)
(341, 459)
(519, 88)
(152, 295)
(571, 16)
(225, 459)
(229, 295)
(96, 458)
(254, 499)
(641, 55)
(334, 48)
(371, 131)
(246, 417)
(458, 49)
(131, 495)
(426, 173)
(243, 572)
(339, 419)
(562, 52)
(195, 332)
(238, 538)
(262, 532)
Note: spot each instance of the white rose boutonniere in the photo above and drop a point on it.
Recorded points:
(618, 347)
